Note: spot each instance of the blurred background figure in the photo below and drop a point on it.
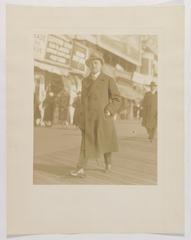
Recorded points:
(149, 111)
(76, 105)
(63, 102)
(48, 105)
(138, 115)
(137, 109)
(40, 97)
(36, 110)
(71, 109)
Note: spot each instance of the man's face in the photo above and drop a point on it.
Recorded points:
(95, 66)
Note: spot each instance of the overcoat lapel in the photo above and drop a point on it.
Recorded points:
(94, 83)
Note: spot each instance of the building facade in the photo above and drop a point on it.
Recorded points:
(59, 62)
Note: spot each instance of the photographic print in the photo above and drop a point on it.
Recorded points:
(95, 120)
(95, 109)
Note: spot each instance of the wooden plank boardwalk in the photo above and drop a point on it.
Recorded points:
(56, 152)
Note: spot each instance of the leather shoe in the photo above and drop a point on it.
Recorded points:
(78, 173)
(107, 167)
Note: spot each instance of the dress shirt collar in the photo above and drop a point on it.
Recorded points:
(95, 76)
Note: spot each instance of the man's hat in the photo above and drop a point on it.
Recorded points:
(153, 84)
(95, 56)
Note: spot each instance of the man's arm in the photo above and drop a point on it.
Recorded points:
(81, 116)
(115, 98)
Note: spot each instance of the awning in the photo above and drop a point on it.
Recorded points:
(127, 47)
(51, 68)
(141, 78)
(128, 92)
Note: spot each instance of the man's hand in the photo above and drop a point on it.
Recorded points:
(108, 113)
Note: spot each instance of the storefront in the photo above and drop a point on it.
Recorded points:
(59, 63)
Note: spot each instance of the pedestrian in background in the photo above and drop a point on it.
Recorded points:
(99, 102)
(49, 104)
(36, 110)
(77, 106)
(71, 108)
(63, 102)
(149, 111)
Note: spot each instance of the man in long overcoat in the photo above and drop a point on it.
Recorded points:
(77, 105)
(149, 111)
(100, 100)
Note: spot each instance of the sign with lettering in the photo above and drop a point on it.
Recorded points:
(78, 57)
(59, 49)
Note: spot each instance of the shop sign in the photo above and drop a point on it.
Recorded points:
(58, 50)
(78, 57)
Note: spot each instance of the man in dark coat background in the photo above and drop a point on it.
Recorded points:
(149, 111)
(100, 100)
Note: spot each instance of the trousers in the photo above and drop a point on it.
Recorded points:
(83, 159)
(151, 132)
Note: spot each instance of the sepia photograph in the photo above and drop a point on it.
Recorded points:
(95, 120)
(95, 109)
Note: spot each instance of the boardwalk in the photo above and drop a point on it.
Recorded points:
(56, 152)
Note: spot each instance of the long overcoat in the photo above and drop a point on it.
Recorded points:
(76, 104)
(149, 111)
(98, 131)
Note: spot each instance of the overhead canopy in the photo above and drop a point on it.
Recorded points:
(50, 68)
(128, 92)
(127, 47)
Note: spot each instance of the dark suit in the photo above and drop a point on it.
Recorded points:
(149, 113)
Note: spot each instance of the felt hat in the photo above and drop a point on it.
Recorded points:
(95, 56)
(153, 84)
